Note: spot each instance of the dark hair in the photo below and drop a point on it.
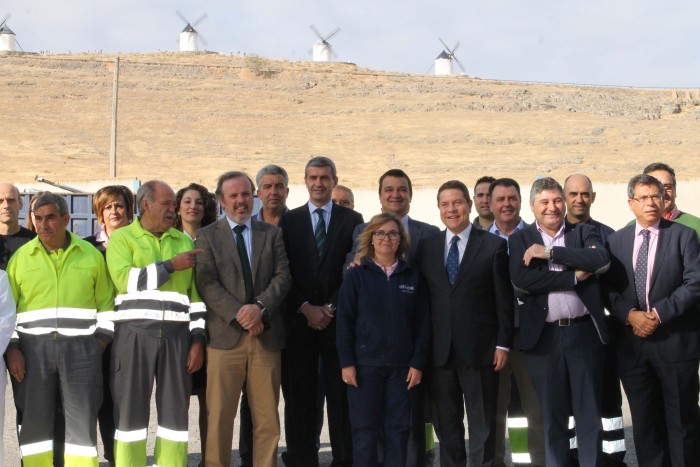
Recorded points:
(485, 179)
(398, 173)
(653, 167)
(271, 169)
(109, 193)
(504, 182)
(210, 213)
(229, 176)
(454, 185)
(365, 248)
(29, 222)
(544, 184)
(321, 161)
(643, 179)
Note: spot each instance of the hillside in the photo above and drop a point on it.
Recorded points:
(188, 117)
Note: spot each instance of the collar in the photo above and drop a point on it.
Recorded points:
(248, 223)
(559, 232)
(495, 230)
(672, 214)
(328, 207)
(139, 231)
(654, 228)
(71, 243)
(463, 235)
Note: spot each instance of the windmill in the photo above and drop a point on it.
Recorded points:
(8, 40)
(322, 50)
(443, 62)
(190, 37)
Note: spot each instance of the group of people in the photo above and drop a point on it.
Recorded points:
(394, 323)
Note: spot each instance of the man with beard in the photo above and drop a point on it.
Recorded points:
(484, 219)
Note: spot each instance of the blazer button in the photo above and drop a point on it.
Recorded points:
(242, 282)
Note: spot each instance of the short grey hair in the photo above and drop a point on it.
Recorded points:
(146, 192)
(271, 169)
(544, 184)
(321, 161)
(643, 179)
(52, 198)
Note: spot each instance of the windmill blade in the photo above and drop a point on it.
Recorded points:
(459, 63)
(199, 20)
(4, 20)
(330, 49)
(454, 49)
(201, 37)
(316, 31)
(431, 67)
(182, 17)
(20, 47)
(310, 51)
(335, 31)
(447, 49)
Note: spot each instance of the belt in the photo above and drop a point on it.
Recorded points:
(569, 321)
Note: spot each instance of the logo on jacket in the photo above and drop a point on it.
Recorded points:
(407, 288)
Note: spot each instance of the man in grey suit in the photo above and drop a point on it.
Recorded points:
(653, 290)
(395, 194)
(243, 277)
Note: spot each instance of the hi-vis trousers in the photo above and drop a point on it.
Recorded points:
(138, 356)
(73, 366)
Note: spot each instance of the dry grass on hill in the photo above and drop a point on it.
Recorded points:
(188, 117)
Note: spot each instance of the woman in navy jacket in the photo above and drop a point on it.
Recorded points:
(383, 335)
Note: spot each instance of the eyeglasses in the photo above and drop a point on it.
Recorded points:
(391, 235)
(645, 199)
(669, 187)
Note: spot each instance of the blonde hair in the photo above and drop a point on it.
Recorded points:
(365, 248)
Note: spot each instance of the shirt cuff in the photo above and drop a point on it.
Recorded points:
(503, 348)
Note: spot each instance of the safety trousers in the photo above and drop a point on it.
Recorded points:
(139, 357)
(73, 366)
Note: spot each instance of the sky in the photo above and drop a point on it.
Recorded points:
(639, 43)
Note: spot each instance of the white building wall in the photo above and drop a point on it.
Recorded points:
(188, 42)
(8, 43)
(443, 66)
(321, 52)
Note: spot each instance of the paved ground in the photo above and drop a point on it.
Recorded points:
(12, 451)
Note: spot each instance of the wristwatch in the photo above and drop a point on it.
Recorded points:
(548, 251)
(264, 310)
(331, 307)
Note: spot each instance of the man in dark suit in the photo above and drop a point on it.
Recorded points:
(653, 289)
(243, 277)
(562, 321)
(317, 237)
(471, 302)
(395, 194)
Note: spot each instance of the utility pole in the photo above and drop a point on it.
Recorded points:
(113, 148)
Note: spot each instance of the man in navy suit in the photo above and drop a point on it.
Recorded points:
(317, 237)
(471, 305)
(653, 289)
(395, 194)
(553, 266)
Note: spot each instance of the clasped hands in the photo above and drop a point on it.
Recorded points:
(317, 317)
(643, 323)
(250, 318)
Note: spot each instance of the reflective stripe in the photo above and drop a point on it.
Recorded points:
(521, 458)
(517, 422)
(573, 444)
(53, 313)
(151, 277)
(130, 436)
(172, 435)
(611, 424)
(106, 321)
(610, 447)
(196, 307)
(133, 282)
(199, 324)
(161, 296)
(63, 331)
(83, 451)
(144, 313)
(572, 423)
(36, 448)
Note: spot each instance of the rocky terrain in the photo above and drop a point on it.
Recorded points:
(188, 117)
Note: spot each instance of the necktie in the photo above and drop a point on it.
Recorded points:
(245, 263)
(640, 271)
(320, 232)
(452, 263)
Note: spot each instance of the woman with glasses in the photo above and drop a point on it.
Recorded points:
(383, 334)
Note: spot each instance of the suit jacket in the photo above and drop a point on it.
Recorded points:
(674, 292)
(584, 251)
(417, 230)
(315, 280)
(219, 279)
(475, 315)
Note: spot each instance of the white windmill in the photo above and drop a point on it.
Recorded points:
(322, 50)
(443, 62)
(8, 40)
(190, 37)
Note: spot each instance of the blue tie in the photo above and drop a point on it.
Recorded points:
(320, 232)
(452, 263)
(640, 271)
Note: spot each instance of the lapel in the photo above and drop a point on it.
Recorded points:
(661, 249)
(474, 242)
(224, 238)
(307, 237)
(333, 227)
(257, 236)
(627, 246)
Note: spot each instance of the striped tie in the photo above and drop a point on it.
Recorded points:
(320, 232)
